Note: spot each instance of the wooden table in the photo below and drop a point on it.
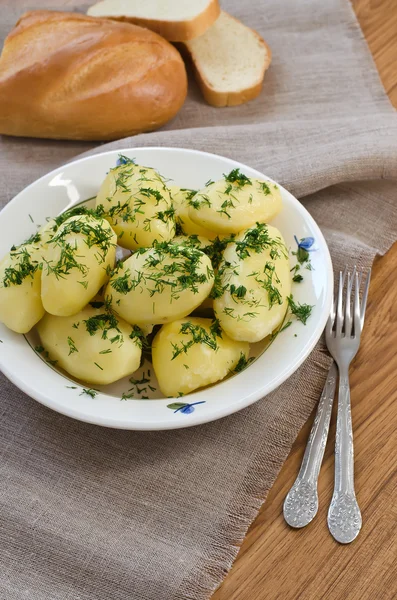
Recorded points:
(276, 562)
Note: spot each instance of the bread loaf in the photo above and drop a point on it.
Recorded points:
(176, 20)
(69, 76)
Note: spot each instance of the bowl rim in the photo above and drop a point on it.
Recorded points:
(198, 417)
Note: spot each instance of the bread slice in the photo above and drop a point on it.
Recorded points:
(230, 61)
(175, 20)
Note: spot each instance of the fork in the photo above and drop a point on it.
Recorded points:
(342, 335)
(301, 502)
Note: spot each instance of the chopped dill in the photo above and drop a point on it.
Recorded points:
(23, 268)
(265, 188)
(301, 311)
(256, 240)
(297, 278)
(139, 337)
(148, 192)
(198, 335)
(89, 392)
(66, 262)
(35, 238)
(243, 363)
(104, 322)
(239, 291)
(166, 215)
(235, 176)
(227, 204)
(199, 200)
(122, 284)
(72, 346)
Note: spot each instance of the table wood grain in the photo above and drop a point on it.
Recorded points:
(276, 562)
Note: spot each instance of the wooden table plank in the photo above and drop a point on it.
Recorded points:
(276, 562)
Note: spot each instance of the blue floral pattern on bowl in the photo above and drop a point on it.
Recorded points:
(184, 407)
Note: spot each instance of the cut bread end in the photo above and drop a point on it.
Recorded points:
(230, 61)
(175, 20)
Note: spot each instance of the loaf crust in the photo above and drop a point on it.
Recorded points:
(69, 76)
(175, 31)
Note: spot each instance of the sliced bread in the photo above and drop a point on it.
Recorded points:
(175, 20)
(230, 61)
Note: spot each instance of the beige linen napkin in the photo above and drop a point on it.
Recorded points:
(88, 513)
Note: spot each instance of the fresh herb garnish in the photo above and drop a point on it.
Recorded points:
(258, 239)
(139, 337)
(235, 176)
(243, 363)
(89, 392)
(72, 346)
(301, 311)
(297, 278)
(198, 335)
(265, 188)
(104, 322)
(24, 267)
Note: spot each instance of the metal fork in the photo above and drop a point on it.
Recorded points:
(342, 335)
(301, 502)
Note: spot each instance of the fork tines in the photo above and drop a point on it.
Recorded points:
(348, 312)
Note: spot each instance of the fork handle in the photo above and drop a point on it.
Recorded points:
(301, 502)
(344, 516)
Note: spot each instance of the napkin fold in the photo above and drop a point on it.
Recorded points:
(88, 513)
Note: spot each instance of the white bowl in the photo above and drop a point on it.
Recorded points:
(80, 180)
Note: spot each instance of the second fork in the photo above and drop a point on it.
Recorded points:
(343, 335)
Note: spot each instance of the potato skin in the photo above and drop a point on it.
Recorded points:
(91, 357)
(77, 263)
(255, 281)
(20, 289)
(202, 364)
(160, 284)
(235, 203)
(137, 204)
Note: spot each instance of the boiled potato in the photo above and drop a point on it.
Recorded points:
(77, 263)
(20, 288)
(160, 284)
(94, 345)
(235, 203)
(254, 282)
(192, 353)
(181, 199)
(137, 203)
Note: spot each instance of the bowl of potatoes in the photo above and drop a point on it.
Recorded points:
(158, 288)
